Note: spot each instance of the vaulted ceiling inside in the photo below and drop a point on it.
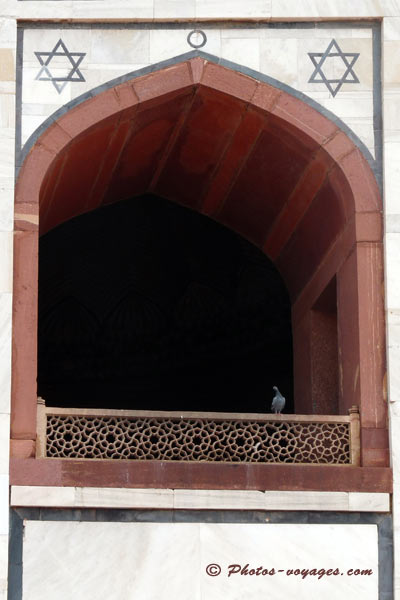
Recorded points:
(211, 152)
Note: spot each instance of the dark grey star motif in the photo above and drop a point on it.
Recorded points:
(60, 49)
(318, 59)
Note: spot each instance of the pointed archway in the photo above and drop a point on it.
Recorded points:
(259, 161)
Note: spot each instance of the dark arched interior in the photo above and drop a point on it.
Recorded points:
(146, 304)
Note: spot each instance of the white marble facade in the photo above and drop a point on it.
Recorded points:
(148, 561)
(279, 51)
(116, 42)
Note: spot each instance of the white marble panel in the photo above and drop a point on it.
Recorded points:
(328, 31)
(334, 67)
(196, 499)
(5, 352)
(168, 43)
(219, 499)
(239, 33)
(172, 9)
(7, 151)
(396, 535)
(242, 51)
(37, 109)
(391, 136)
(3, 566)
(4, 504)
(30, 124)
(393, 266)
(393, 360)
(392, 111)
(392, 225)
(125, 9)
(391, 28)
(235, 8)
(42, 92)
(278, 52)
(393, 321)
(7, 8)
(8, 33)
(4, 443)
(362, 128)
(6, 261)
(6, 203)
(44, 9)
(392, 185)
(362, 32)
(7, 87)
(124, 498)
(7, 111)
(120, 46)
(278, 59)
(142, 561)
(338, 8)
(394, 436)
(253, 500)
(76, 39)
(359, 501)
(286, 547)
(169, 560)
(91, 497)
(391, 68)
(84, 10)
(61, 497)
(287, 30)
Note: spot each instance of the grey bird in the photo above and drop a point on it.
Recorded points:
(278, 401)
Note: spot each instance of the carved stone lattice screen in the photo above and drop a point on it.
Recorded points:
(216, 437)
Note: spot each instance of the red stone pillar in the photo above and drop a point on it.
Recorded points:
(361, 333)
(24, 352)
(348, 335)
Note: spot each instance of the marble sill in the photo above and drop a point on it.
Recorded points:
(122, 498)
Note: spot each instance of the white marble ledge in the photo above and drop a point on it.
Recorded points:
(90, 497)
(339, 8)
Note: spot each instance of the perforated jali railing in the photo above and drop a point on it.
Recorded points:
(216, 437)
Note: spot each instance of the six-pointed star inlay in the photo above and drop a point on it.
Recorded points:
(333, 51)
(75, 59)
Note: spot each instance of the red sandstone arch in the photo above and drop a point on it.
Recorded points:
(256, 159)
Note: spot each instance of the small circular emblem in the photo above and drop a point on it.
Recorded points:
(197, 38)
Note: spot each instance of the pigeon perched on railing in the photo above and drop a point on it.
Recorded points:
(278, 402)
